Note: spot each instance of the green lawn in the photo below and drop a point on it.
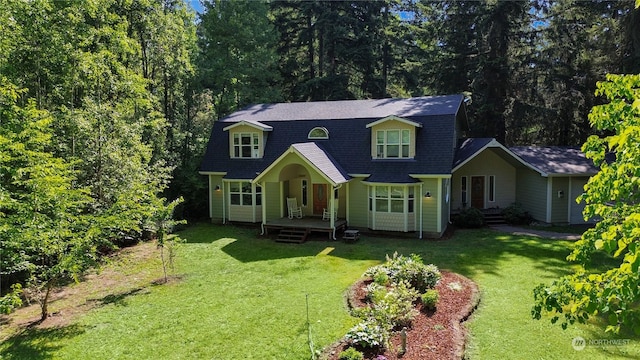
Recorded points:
(244, 297)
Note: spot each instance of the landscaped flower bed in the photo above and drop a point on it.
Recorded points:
(431, 333)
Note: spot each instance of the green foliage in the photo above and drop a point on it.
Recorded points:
(400, 268)
(516, 215)
(162, 224)
(46, 230)
(430, 299)
(392, 299)
(375, 292)
(12, 300)
(469, 218)
(368, 334)
(611, 196)
(237, 59)
(350, 354)
(391, 308)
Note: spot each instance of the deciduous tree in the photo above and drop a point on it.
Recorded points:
(613, 197)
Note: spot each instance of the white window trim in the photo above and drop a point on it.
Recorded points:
(464, 190)
(400, 144)
(322, 137)
(491, 196)
(373, 197)
(255, 149)
(255, 194)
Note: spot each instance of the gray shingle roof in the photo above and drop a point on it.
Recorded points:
(556, 160)
(349, 143)
(469, 147)
(322, 161)
(350, 109)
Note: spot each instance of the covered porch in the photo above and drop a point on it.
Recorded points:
(306, 175)
(305, 226)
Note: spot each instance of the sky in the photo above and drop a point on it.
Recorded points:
(196, 5)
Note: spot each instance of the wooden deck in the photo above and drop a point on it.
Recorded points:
(310, 224)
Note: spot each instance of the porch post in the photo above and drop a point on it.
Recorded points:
(264, 206)
(332, 207)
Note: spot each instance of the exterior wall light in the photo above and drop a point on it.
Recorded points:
(427, 194)
(218, 188)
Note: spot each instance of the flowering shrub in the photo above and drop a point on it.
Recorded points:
(412, 269)
(396, 285)
(375, 292)
(368, 334)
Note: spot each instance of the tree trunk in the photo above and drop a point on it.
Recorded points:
(44, 305)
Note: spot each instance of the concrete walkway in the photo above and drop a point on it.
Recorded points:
(536, 233)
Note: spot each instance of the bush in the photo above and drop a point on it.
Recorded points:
(351, 354)
(391, 309)
(470, 218)
(430, 299)
(516, 215)
(375, 292)
(368, 334)
(411, 269)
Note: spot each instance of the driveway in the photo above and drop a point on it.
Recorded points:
(536, 233)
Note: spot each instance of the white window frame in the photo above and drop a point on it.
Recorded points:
(304, 186)
(253, 145)
(381, 194)
(492, 188)
(318, 137)
(383, 145)
(242, 193)
(464, 190)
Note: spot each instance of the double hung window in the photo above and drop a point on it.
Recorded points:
(242, 194)
(392, 143)
(246, 145)
(392, 199)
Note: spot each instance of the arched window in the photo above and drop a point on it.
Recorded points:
(318, 133)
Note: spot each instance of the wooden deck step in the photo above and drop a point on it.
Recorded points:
(293, 235)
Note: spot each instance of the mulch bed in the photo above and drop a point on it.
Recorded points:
(434, 334)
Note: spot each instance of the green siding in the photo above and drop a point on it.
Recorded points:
(358, 204)
(216, 198)
(273, 200)
(430, 208)
(532, 193)
(445, 205)
(485, 164)
(560, 205)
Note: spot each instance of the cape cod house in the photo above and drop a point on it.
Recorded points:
(390, 164)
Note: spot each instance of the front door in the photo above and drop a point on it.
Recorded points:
(477, 192)
(319, 198)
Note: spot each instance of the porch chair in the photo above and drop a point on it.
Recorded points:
(327, 217)
(294, 209)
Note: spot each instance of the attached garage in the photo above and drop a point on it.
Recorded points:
(561, 173)
(575, 210)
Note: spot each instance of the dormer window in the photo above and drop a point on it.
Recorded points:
(393, 137)
(246, 145)
(393, 143)
(247, 139)
(318, 133)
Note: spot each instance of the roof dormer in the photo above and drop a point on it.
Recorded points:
(247, 139)
(393, 137)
